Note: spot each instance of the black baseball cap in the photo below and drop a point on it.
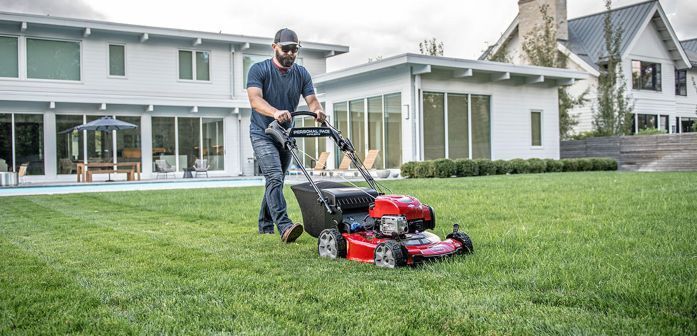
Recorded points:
(286, 36)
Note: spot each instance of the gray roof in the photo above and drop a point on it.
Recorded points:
(690, 47)
(586, 36)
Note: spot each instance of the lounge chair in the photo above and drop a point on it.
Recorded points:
(163, 167)
(201, 167)
(22, 172)
(321, 164)
(368, 162)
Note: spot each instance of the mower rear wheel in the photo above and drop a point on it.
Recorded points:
(331, 244)
(463, 238)
(390, 254)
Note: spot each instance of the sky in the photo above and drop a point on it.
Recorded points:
(371, 29)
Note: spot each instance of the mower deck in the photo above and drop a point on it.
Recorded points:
(420, 247)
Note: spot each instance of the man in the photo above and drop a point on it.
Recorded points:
(274, 88)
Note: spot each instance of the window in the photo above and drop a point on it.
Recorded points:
(357, 123)
(536, 127)
(383, 132)
(9, 59)
(22, 139)
(117, 60)
(646, 76)
(645, 121)
(688, 125)
(681, 82)
(458, 133)
(194, 64)
(393, 130)
(375, 129)
(434, 134)
(247, 63)
(189, 135)
(128, 147)
(213, 142)
(48, 59)
(163, 141)
(665, 123)
(481, 127)
(69, 145)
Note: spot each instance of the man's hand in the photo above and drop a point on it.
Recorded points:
(320, 117)
(282, 116)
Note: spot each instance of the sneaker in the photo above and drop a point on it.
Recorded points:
(292, 233)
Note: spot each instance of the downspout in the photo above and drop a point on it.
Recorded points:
(415, 129)
(239, 141)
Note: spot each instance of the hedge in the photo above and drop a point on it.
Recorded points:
(462, 167)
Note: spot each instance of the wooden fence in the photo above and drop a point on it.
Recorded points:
(666, 152)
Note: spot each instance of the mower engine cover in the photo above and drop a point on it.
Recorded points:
(420, 217)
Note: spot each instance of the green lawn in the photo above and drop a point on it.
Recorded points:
(572, 253)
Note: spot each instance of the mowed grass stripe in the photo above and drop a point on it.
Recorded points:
(559, 253)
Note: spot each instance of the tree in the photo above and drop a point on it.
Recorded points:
(614, 110)
(540, 47)
(431, 47)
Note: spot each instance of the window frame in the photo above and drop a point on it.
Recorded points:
(679, 85)
(532, 143)
(19, 57)
(193, 66)
(108, 59)
(657, 76)
(26, 60)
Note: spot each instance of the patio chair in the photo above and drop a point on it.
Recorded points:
(321, 164)
(201, 166)
(370, 158)
(163, 167)
(22, 172)
(3, 165)
(66, 166)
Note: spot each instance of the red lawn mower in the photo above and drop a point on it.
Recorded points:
(363, 223)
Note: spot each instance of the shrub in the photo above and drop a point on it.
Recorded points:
(424, 169)
(466, 168)
(610, 164)
(444, 168)
(553, 166)
(503, 167)
(598, 164)
(569, 165)
(584, 135)
(519, 166)
(537, 166)
(407, 169)
(584, 164)
(651, 131)
(486, 167)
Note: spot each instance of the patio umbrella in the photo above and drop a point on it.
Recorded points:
(104, 124)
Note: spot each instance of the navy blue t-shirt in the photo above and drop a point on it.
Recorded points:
(281, 91)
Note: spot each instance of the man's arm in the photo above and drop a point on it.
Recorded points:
(259, 104)
(314, 106)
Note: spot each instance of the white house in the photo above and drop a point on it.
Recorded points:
(418, 107)
(657, 66)
(185, 92)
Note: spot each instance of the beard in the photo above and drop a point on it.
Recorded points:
(286, 60)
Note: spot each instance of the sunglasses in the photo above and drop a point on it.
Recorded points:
(290, 48)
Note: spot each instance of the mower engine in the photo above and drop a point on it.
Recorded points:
(397, 215)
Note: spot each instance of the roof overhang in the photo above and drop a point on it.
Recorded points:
(460, 68)
(89, 27)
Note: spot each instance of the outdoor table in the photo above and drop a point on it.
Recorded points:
(82, 169)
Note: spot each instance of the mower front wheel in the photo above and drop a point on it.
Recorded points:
(463, 238)
(390, 254)
(331, 244)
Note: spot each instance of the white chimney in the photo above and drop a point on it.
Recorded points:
(530, 18)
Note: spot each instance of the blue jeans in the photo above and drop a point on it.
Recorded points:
(273, 160)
